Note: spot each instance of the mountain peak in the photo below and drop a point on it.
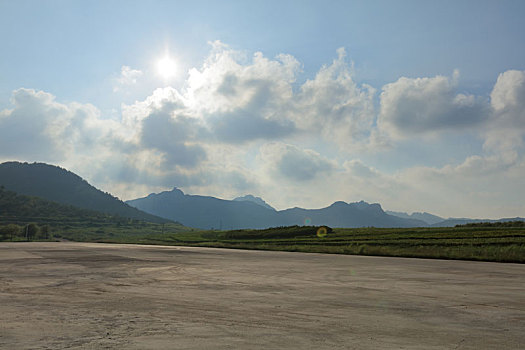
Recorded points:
(339, 204)
(253, 199)
(177, 191)
(362, 205)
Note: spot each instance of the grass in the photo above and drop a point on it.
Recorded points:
(502, 244)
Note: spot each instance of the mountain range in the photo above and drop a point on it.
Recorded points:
(252, 212)
(430, 219)
(59, 185)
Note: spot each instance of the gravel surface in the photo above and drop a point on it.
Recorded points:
(103, 296)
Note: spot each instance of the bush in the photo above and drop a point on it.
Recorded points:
(44, 232)
(8, 232)
(31, 231)
(276, 232)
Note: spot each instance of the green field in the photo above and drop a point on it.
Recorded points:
(30, 218)
(503, 244)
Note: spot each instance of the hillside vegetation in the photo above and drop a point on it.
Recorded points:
(71, 209)
(62, 186)
(27, 218)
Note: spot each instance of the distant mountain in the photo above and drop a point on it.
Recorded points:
(426, 217)
(205, 212)
(209, 212)
(341, 214)
(436, 221)
(256, 200)
(62, 186)
(451, 222)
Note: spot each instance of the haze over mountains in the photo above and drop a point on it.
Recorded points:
(248, 211)
(252, 212)
(426, 217)
(58, 185)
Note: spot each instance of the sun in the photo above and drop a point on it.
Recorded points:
(166, 67)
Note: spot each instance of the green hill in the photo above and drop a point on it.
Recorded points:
(62, 186)
(19, 209)
(24, 217)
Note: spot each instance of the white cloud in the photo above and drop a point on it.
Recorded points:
(243, 124)
(427, 105)
(40, 128)
(506, 129)
(127, 77)
(243, 100)
(484, 187)
(228, 81)
(293, 163)
(334, 106)
(357, 168)
(240, 100)
(508, 97)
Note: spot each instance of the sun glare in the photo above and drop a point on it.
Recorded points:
(166, 67)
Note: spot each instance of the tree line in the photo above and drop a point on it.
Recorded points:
(29, 232)
(516, 223)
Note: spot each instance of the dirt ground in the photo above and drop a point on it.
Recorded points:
(102, 296)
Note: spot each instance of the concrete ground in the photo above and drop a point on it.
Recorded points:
(104, 296)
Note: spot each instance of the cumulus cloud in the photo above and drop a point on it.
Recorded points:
(244, 124)
(243, 100)
(38, 127)
(162, 122)
(506, 128)
(235, 99)
(228, 81)
(247, 99)
(127, 77)
(424, 105)
(172, 135)
(359, 169)
(508, 98)
(294, 163)
(334, 106)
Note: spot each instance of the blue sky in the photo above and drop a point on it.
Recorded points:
(417, 105)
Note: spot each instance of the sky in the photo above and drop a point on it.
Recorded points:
(416, 105)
